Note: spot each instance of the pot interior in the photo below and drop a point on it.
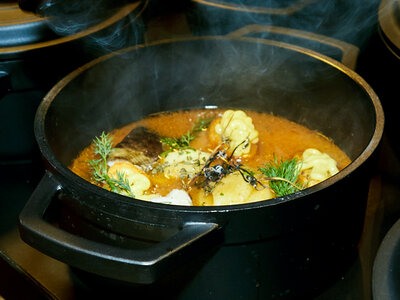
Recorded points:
(207, 72)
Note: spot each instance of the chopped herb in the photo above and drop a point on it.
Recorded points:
(184, 141)
(283, 176)
(177, 143)
(159, 168)
(183, 173)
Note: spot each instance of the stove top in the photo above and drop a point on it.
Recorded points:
(26, 273)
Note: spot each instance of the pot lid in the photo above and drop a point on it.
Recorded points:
(389, 22)
(18, 27)
(21, 31)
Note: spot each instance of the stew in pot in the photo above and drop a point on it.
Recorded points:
(209, 157)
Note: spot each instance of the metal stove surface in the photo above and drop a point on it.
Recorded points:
(25, 273)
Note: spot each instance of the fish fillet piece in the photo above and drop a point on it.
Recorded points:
(140, 147)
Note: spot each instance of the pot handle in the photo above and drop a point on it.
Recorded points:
(349, 51)
(142, 266)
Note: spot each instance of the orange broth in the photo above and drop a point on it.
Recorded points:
(277, 137)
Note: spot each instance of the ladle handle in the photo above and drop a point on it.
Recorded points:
(349, 52)
(130, 265)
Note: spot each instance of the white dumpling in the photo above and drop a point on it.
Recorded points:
(318, 166)
(175, 197)
(237, 127)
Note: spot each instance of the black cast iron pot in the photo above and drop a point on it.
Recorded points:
(386, 272)
(288, 247)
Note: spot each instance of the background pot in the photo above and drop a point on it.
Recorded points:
(33, 57)
(351, 22)
(286, 247)
(386, 271)
(379, 63)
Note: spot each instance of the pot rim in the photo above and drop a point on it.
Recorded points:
(389, 17)
(238, 7)
(39, 128)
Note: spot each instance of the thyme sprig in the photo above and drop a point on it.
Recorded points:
(103, 147)
(283, 176)
(183, 142)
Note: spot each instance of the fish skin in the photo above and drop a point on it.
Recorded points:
(140, 146)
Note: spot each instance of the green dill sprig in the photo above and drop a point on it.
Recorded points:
(183, 142)
(283, 176)
(103, 147)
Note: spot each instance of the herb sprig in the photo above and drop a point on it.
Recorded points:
(103, 147)
(201, 124)
(283, 176)
(183, 142)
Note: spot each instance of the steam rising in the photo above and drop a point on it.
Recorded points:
(350, 21)
(218, 72)
(69, 17)
(224, 72)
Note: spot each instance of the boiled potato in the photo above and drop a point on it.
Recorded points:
(138, 180)
(232, 189)
(262, 194)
